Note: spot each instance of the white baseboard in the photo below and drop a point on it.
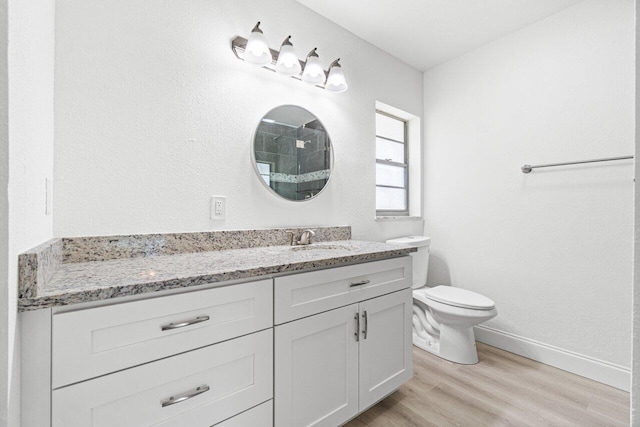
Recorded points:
(597, 370)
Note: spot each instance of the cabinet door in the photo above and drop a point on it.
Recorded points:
(385, 353)
(316, 369)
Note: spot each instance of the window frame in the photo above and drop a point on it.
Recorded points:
(405, 165)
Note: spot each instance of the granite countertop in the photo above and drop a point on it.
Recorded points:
(101, 279)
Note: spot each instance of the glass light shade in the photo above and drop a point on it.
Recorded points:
(257, 50)
(313, 72)
(288, 63)
(335, 81)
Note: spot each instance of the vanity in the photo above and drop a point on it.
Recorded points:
(229, 328)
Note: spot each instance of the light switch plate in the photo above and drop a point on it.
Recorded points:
(218, 208)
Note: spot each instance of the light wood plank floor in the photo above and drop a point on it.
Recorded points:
(503, 389)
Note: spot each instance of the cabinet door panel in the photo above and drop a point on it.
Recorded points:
(238, 374)
(385, 353)
(316, 370)
(260, 416)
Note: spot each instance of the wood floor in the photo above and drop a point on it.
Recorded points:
(503, 389)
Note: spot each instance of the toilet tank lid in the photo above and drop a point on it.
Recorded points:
(417, 241)
(459, 297)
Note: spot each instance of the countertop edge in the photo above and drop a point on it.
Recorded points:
(102, 294)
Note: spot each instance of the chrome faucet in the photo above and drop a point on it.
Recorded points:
(307, 237)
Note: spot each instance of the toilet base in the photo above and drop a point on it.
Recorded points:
(430, 345)
(454, 344)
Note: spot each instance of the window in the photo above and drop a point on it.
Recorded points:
(392, 166)
(265, 172)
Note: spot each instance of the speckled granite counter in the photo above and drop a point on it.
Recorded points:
(51, 275)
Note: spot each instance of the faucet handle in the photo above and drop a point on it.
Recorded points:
(291, 237)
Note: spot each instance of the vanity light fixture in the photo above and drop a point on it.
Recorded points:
(288, 62)
(313, 72)
(256, 51)
(335, 81)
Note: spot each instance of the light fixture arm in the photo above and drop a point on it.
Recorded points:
(335, 64)
(286, 42)
(313, 53)
(257, 28)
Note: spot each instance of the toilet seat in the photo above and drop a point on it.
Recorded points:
(457, 297)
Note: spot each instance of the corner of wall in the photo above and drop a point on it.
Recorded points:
(635, 358)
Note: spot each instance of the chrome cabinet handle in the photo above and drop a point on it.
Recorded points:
(360, 283)
(198, 319)
(357, 333)
(185, 396)
(366, 324)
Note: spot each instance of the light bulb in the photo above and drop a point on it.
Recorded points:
(313, 72)
(257, 50)
(336, 81)
(288, 63)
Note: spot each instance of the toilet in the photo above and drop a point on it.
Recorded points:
(444, 316)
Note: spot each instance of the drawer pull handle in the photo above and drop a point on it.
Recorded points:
(198, 319)
(186, 396)
(360, 283)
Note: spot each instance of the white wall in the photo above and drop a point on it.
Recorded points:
(635, 368)
(135, 80)
(30, 113)
(4, 213)
(552, 248)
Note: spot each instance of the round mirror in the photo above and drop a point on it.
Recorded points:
(292, 153)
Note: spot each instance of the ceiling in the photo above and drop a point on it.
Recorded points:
(424, 33)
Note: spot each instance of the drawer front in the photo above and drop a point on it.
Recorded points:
(233, 376)
(93, 342)
(305, 294)
(260, 416)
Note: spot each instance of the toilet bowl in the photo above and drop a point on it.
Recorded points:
(443, 321)
(444, 316)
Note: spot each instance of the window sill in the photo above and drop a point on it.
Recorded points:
(398, 218)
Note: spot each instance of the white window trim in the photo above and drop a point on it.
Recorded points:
(414, 163)
(405, 165)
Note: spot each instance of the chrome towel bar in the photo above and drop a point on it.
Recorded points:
(529, 168)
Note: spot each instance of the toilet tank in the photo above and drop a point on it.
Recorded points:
(420, 258)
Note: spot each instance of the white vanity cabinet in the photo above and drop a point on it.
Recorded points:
(341, 342)
(332, 365)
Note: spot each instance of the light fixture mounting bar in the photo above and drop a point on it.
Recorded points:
(239, 44)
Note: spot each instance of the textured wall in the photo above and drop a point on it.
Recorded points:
(4, 213)
(552, 248)
(154, 114)
(635, 367)
(30, 72)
